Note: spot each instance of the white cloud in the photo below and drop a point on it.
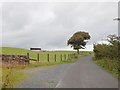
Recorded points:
(50, 25)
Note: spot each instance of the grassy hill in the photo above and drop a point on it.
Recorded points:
(33, 54)
(14, 51)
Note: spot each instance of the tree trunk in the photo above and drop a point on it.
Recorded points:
(77, 51)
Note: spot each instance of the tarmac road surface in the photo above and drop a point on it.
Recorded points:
(86, 74)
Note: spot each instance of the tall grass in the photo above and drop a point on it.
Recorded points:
(109, 65)
(10, 75)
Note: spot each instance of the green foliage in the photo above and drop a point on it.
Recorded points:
(110, 51)
(108, 55)
(78, 40)
(110, 65)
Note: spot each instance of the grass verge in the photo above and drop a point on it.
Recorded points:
(11, 76)
(109, 65)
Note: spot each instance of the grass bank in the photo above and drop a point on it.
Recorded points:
(109, 65)
(11, 76)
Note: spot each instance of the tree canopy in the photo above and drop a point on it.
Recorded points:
(78, 40)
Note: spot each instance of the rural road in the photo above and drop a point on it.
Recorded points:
(86, 74)
(82, 74)
(43, 77)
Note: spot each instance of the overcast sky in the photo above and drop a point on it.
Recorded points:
(50, 24)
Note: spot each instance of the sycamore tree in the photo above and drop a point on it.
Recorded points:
(79, 40)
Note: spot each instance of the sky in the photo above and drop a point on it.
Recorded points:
(49, 25)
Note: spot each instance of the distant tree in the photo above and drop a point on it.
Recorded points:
(113, 39)
(78, 40)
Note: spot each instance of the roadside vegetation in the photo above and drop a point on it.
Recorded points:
(0, 76)
(11, 76)
(108, 55)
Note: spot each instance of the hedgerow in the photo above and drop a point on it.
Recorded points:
(108, 55)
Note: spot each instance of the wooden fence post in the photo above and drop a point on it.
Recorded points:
(73, 55)
(28, 58)
(38, 57)
(65, 56)
(28, 55)
(68, 57)
(55, 57)
(48, 57)
(61, 57)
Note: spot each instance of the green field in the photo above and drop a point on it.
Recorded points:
(33, 54)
